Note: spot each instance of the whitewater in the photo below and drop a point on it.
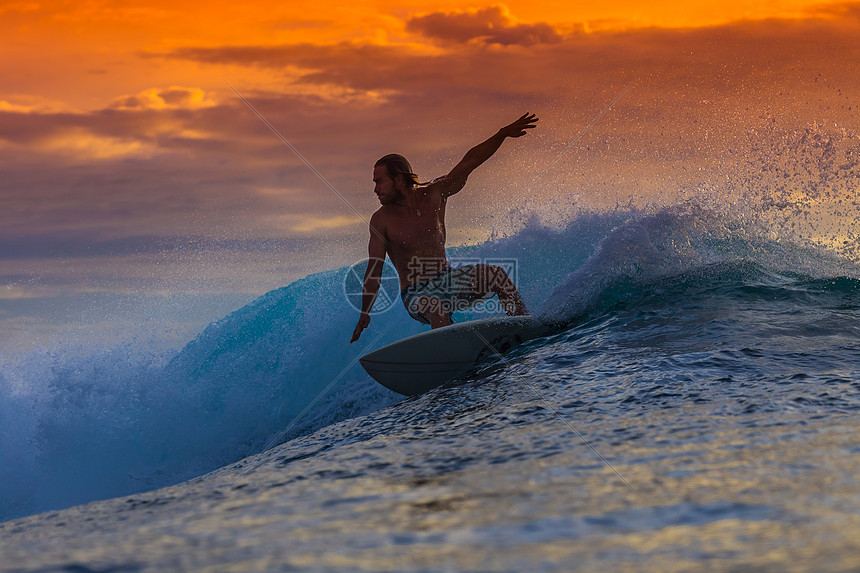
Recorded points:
(698, 407)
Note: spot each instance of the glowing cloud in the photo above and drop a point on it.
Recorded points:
(6, 106)
(316, 223)
(84, 145)
(174, 97)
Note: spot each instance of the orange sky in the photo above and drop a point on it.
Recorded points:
(119, 139)
(84, 54)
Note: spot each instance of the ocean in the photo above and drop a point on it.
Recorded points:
(697, 408)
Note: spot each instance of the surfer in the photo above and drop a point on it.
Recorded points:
(409, 227)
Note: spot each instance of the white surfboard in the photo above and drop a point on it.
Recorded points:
(422, 362)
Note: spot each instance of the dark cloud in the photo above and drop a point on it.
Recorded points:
(491, 25)
(769, 52)
(337, 62)
(847, 11)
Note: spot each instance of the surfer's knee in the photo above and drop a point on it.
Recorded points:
(501, 284)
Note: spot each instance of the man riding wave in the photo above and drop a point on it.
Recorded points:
(409, 227)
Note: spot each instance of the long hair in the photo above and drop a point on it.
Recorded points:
(398, 165)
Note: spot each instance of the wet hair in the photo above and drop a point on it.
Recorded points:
(396, 165)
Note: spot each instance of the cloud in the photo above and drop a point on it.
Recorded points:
(491, 25)
(14, 292)
(15, 108)
(131, 126)
(28, 103)
(834, 10)
(311, 224)
(91, 178)
(174, 97)
(152, 112)
(181, 161)
(82, 145)
(542, 71)
(89, 244)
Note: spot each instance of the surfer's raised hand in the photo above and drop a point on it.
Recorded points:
(363, 322)
(519, 127)
(456, 179)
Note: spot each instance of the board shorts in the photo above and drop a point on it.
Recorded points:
(449, 290)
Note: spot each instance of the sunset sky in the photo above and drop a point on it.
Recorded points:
(130, 167)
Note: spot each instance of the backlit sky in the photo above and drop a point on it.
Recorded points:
(128, 165)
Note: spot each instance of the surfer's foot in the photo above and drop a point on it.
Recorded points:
(490, 278)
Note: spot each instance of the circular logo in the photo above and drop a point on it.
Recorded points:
(389, 286)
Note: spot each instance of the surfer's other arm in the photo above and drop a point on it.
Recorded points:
(372, 276)
(456, 179)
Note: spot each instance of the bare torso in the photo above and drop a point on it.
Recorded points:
(415, 234)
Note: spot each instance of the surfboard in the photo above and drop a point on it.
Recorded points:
(427, 360)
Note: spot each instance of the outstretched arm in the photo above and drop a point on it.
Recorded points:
(372, 276)
(456, 179)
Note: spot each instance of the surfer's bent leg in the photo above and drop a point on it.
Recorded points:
(491, 278)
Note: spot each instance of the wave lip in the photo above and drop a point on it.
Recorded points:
(648, 252)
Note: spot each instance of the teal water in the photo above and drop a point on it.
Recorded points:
(697, 410)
